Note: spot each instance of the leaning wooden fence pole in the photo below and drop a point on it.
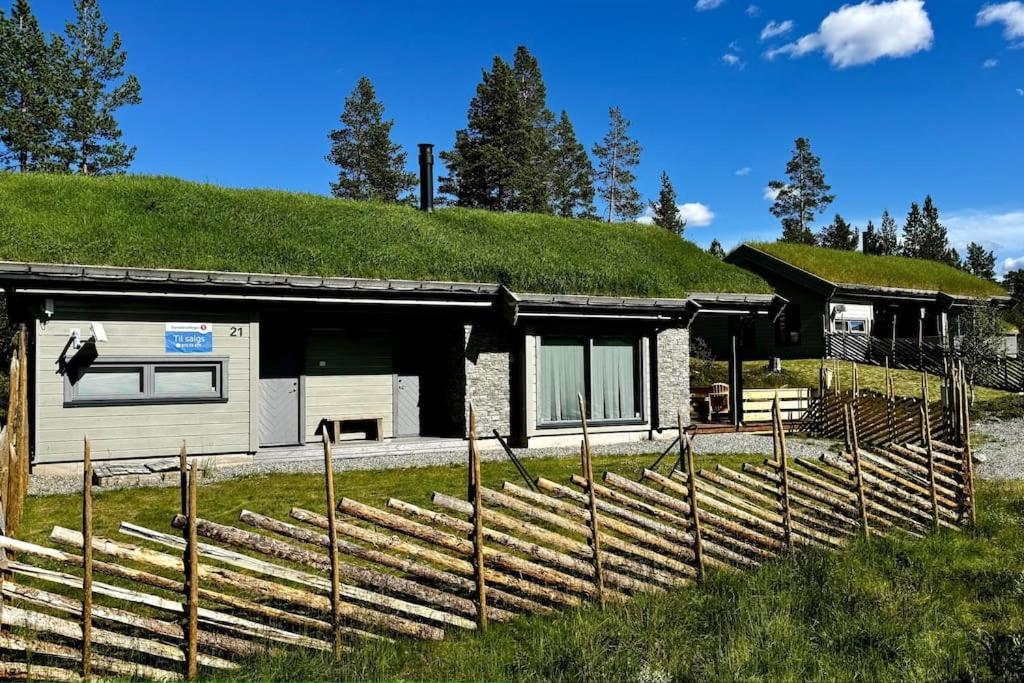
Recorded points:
(87, 560)
(890, 401)
(781, 458)
(478, 524)
(190, 627)
(332, 541)
(965, 425)
(686, 451)
(588, 474)
(926, 436)
(862, 506)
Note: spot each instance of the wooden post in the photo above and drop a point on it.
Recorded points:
(87, 560)
(858, 477)
(191, 562)
(926, 436)
(779, 442)
(588, 474)
(691, 482)
(965, 422)
(332, 541)
(478, 524)
(890, 402)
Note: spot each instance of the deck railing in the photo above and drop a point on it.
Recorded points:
(930, 354)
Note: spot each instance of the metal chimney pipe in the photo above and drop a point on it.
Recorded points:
(426, 176)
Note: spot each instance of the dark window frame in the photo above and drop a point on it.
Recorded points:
(588, 347)
(147, 366)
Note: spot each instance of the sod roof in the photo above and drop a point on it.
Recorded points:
(856, 268)
(160, 222)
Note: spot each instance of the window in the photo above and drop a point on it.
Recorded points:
(851, 326)
(605, 371)
(124, 380)
(787, 327)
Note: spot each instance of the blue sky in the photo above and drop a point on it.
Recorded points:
(899, 98)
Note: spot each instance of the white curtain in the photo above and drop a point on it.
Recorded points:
(613, 366)
(561, 379)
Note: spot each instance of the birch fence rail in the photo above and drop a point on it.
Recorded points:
(205, 598)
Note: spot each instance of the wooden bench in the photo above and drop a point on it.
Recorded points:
(336, 423)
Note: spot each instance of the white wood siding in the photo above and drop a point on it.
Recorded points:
(134, 431)
(348, 374)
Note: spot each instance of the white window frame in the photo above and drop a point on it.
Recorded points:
(148, 365)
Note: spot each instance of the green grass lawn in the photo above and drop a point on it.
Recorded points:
(948, 607)
(804, 373)
(160, 222)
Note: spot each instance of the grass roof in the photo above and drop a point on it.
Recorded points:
(854, 267)
(160, 222)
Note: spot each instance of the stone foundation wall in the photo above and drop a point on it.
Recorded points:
(673, 373)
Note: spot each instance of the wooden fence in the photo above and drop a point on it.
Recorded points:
(930, 355)
(323, 579)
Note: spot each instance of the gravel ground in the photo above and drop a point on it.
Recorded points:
(1001, 447)
(753, 444)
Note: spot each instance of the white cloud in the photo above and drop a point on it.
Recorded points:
(696, 215)
(753, 11)
(1009, 14)
(733, 60)
(743, 171)
(705, 5)
(990, 63)
(770, 194)
(1012, 264)
(1020, 91)
(864, 33)
(774, 29)
(1000, 231)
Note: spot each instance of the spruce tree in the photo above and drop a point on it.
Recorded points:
(839, 235)
(925, 237)
(99, 87)
(980, 262)
(913, 232)
(665, 211)
(716, 249)
(32, 91)
(888, 241)
(802, 196)
(503, 159)
(572, 176)
(617, 156)
(370, 165)
(870, 245)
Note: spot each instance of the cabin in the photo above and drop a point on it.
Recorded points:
(254, 323)
(839, 301)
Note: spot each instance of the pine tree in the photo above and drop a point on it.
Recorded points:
(572, 178)
(802, 196)
(870, 245)
(716, 249)
(370, 165)
(665, 211)
(617, 157)
(980, 262)
(503, 159)
(925, 237)
(913, 232)
(888, 242)
(32, 91)
(92, 138)
(839, 235)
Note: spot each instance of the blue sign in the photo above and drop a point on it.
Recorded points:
(188, 338)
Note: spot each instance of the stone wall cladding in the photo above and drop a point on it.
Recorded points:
(673, 374)
(488, 378)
